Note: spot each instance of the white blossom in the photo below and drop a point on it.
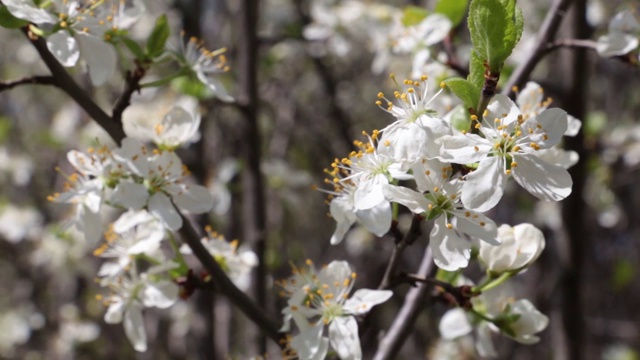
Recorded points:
(623, 36)
(509, 147)
(440, 200)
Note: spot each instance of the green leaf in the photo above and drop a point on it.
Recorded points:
(495, 27)
(453, 9)
(413, 15)
(134, 47)
(158, 37)
(7, 20)
(476, 70)
(465, 90)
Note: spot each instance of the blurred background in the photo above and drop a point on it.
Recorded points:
(320, 64)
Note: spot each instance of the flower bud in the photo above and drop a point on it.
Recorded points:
(520, 246)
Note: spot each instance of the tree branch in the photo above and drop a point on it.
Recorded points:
(65, 82)
(547, 31)
(132, 85)
(225, 286)
(410, 237)
(407, 316)
(34, 80)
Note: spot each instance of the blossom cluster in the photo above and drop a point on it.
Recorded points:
(319, 299)
(452, 176)
(151, 186)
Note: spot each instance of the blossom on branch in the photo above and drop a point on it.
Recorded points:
(321, 298)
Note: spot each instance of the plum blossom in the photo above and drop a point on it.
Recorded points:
(439, 200)
(131, 293)
(157, 184)
(177, 127)
(509, 147)
(623, 36)
(205, 64)
(519, 247)
(412, 136)
(134, 233)
(357, 194)
(322, 299)
(237, 262)
(80, 28)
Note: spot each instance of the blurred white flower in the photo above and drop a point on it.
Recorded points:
(236, 262)
(623, 36)
(19, 223)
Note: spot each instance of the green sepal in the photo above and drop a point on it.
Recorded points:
(413, 15)
(7, 20)
(453, 9)
(465, 91)
(158, 37)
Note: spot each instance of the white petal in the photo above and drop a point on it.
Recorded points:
(130, 195)
(530, 97)
(162, 294)
(131, 219)
(450, 251)
(476, 225)
(415, 201)
(114, 312)
(377, 219)
(364, 299)
(369, 192)
(454, 323)
(554, 124)
(64, 47)
(484, 344)
(100, 57)
(461, 149)
(134, 328)
(543, 180)
(573, 126)
(194, 199)
(162, 208)
(343, 336)
(343, 213)
(27, 11)
(308, 342)
(501, 107)
(434, 28)
(616, 44)
(484, 187)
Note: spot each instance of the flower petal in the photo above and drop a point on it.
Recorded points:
(343, 336)
(541, 179)
(484, 187)
(64, 47)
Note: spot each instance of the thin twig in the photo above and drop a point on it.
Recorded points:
(547, 31)
(225, 286)
(452, 59)
(407, 316)
(34, 80)
(65, 82)
(571, 43)
(409, 238)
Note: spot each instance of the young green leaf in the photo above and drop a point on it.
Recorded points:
(413, 15)
(476, 70)
(135, 49)
(158, 37)
(465, 90)
(453, 9)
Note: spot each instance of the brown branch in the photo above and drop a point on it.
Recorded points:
(407, 316)
(452, 59)
(409, 238)
(253, 197)
(547, 31)
(34, 80)
(132, 85)
(65, 82)
(225, 286)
